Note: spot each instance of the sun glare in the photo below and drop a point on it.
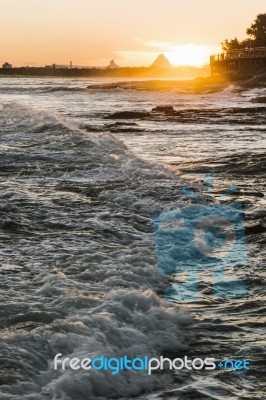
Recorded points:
(189, 54)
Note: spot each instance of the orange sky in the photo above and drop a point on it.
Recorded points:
(133, 32)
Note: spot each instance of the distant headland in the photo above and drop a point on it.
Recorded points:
(160, 68)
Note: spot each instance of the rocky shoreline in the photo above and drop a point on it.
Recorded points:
(194, 86)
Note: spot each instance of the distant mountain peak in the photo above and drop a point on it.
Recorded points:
(113, 65)
(161, 62)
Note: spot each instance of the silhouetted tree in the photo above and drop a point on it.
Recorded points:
(257, 33)
(258, 30)
(233, 44)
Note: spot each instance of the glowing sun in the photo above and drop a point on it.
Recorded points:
(189, 54)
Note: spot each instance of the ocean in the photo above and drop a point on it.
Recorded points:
(84, 172)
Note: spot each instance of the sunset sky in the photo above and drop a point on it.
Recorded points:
(133, 32)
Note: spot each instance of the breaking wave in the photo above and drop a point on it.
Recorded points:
(78, 260)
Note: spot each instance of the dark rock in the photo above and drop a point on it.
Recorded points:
(255, 229)
(261, 99)
(115, 124)
(164, 109)
(128, 115)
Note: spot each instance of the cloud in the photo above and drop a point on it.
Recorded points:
(135, 57)
(158, 44)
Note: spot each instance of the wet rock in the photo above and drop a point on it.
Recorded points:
(91, 128)
(261, 99)
(163, 109)
(128, 115)
(118, 124)
(255, 229)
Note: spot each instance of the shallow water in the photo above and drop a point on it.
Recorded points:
(78, 254)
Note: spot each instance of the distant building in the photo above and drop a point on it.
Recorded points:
(113, 65)
(6, 65)
(50, 66)
(56, 66)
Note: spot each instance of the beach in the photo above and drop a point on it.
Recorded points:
(85, 166)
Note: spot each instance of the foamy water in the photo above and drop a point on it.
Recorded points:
(78, 255)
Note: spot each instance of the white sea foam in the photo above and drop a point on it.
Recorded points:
(86, 249)
(79, 271)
